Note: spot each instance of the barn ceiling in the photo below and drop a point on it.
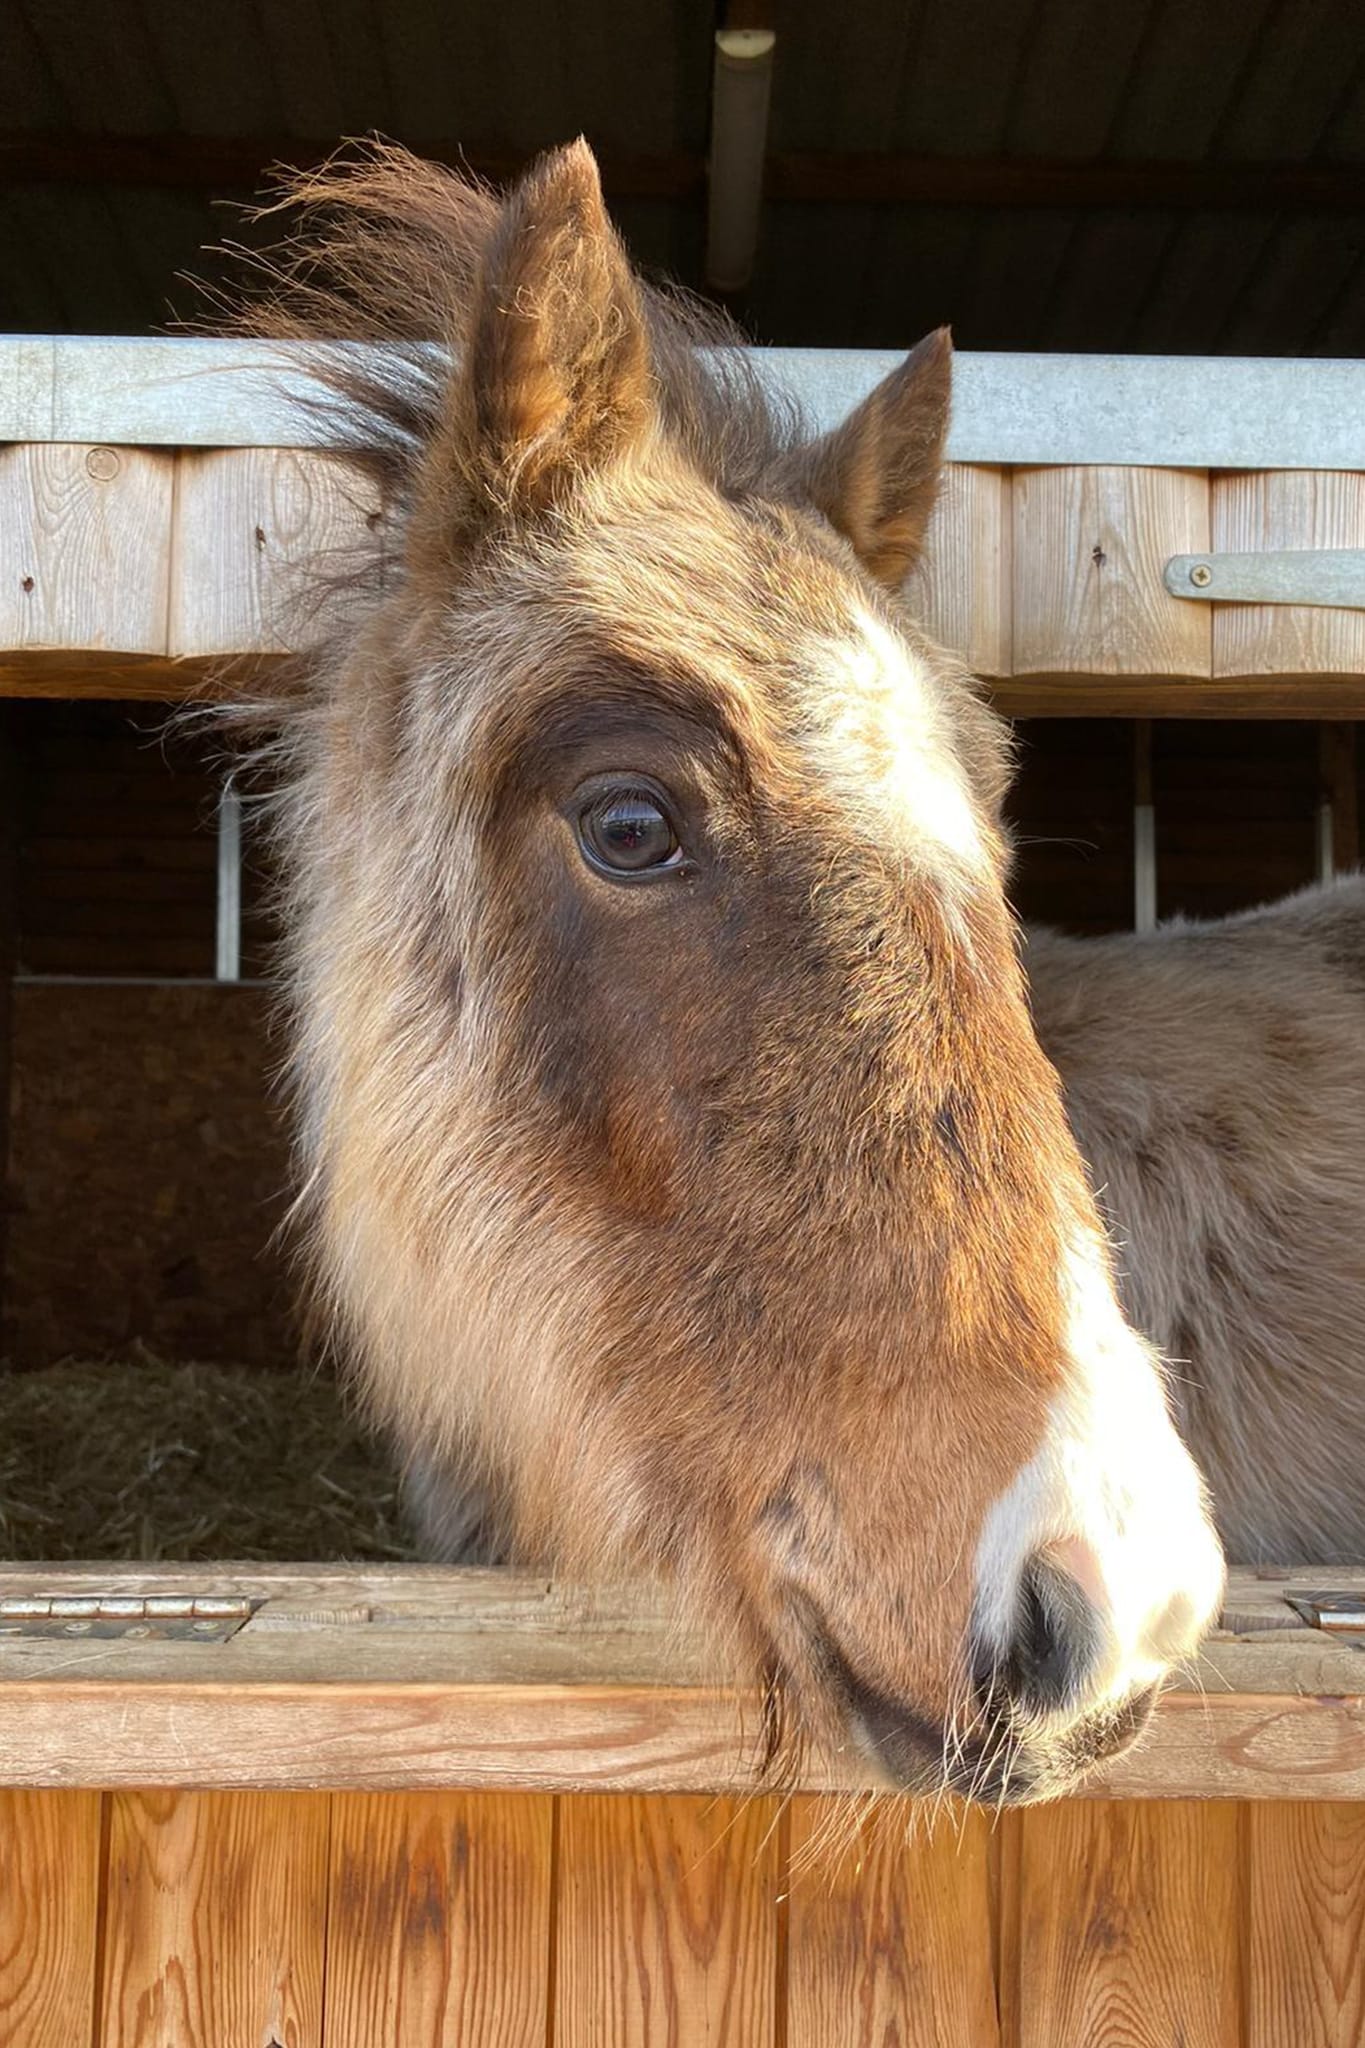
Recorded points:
(1168, 175)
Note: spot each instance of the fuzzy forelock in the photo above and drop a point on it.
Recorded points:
(378, 246)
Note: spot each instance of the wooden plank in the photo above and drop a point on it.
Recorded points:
(216, 1913)
(257, 530)
(85, 542)
(666, 1924)
(1130, 1926)
(1305, 1983)
(960, 592)
(438, 1927)
(66, 674)
(374, 1677)
(1288, 509)
(1089, 545)
(1256, 697)
(49, 1915)
(891, 1940)
(512, 1736)
(416, 1625)
(1073, 183)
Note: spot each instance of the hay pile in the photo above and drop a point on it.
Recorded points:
(141, 1459)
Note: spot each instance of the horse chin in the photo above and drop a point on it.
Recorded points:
(1010, 1765)
(986, 1753)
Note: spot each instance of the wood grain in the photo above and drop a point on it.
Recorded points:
(85, 547)
(216, 1916)
(1152, 696)
(892, 1940)
(256, 532)
(1305, 1980)
(1290, 508)
(1130, 1924)
(1089, 546)
(49, 1910)
(666, 1926)
(960, 591)
(439, 1921)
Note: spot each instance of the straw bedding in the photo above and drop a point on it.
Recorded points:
(141, 1458)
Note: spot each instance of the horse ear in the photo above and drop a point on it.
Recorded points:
(558, 373)
(876, 477)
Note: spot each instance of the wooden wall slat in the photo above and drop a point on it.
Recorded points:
(1130, 1925)
(85, 548)
(215, 1920)
(960, 592)
(1290, 508)
(892, 1941)
(439, 1921)
(49, 1914)
(1306, 1953)
(666, 1930)
(1089, 547)
(252, 526)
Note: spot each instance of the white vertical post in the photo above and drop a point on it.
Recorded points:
(1327, 865)
(1144, 829)
(228, 950)
(741, 83)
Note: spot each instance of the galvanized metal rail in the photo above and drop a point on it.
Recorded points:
(1197, 412)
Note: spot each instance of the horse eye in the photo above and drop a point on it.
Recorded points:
(628, 832)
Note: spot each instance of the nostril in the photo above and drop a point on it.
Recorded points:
(1054, 1643)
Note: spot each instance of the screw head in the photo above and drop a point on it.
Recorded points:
(1201, 575)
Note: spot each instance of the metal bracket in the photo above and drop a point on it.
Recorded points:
(1332, 576)
(1337, 1614)
(109, 1618)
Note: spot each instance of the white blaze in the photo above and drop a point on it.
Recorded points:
(1113, 1476)
(877, 734)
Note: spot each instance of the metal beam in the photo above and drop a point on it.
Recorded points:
(215, 164)
(1190, 412)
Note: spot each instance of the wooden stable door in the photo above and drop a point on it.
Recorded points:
(484, 1920)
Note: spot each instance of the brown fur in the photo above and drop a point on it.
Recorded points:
(1215, 1076)
(718, 1223)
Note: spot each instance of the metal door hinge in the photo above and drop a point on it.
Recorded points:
(158, 1617)
(1332, 576)
(1341, 1615)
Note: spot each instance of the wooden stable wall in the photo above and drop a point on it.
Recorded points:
(351, 1826)
(131, 571)
(481, 1810)
(505, 1920)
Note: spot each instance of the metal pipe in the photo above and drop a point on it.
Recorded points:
(741, 83)
(227, 965)
(1144, 829)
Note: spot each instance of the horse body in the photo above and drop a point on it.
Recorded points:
(1215, 1078)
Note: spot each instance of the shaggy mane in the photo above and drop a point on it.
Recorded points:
(382, 247)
